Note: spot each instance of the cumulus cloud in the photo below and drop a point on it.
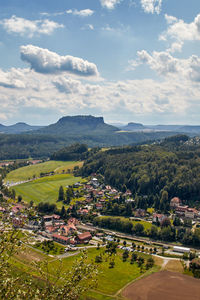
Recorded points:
(81, 13)
(151, 6)
(48, 62)
(13, 79)
(62, 95)
(167, 65)
(179, 31)
(29, 28)
(109, 4)
(67, 85)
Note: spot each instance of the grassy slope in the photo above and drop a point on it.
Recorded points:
(45, 189)
(110, 281)
(27, 172)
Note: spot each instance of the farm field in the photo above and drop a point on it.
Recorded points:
(45, 189)
(164, 285)
(28, 172)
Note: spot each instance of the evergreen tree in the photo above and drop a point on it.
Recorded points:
(61, 196)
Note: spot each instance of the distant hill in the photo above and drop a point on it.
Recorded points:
(133, 127)
(188, 129)
(78, 125)
(18, 128)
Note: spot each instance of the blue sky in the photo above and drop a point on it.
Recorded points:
(126, 60)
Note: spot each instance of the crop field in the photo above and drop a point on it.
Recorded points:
(31, 171)
(45, 189)
(164, 285)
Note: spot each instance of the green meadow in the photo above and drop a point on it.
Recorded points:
(110, 280)
(31, 171)
(45, 189)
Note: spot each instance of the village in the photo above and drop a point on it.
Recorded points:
(75, 227)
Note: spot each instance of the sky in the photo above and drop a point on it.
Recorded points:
(125, 60)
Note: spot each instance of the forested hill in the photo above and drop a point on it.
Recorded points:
(78, 125)
(44, 145)
(18, 128)
(149, 170)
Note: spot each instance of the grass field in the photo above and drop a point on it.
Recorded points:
(28, 172)
(110, 281)
(45, 189)
(174, 266)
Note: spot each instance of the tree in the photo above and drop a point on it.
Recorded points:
(68, 285)
(13, 194)
(165, 222)
(177, 221)
(133, 257)
(140, 261)
(150, 263)
(98, 259)
(61, 196)
(124, 243)
(125, 255)
(63, 212)
(139, 229)
(111, 248)
(19, 198)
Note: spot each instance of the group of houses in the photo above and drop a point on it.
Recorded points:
(183, 210)
(56, 229)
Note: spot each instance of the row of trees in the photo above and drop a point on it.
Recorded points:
(165, 233)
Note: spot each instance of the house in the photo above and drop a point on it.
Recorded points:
(84, 237)
(191, 213)
(17, 208)
(139, 213)
(51, 229)
(48, 218)
(73, 220)
(180, 210)
(181, 249)
(175, 202)
(83, 211)
(18, 222)
(69, 229)
(99, 206)
(61, 239)
(127, 193)
(2, 209)
(129, 200)
(158, 218)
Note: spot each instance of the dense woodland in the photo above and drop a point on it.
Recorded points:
(149, 170)
(43, 145)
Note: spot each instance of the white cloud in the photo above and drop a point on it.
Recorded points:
(178, 32)
(88, 26)
(48, 62)
(109, 4)
(13, 79)
(29, 28)
(167, 65)
(151, 6)
(81, 13)
(63, 95)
